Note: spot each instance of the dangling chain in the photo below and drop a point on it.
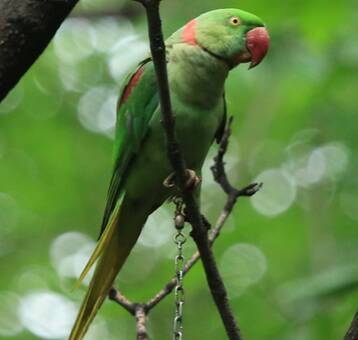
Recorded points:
(179, 240)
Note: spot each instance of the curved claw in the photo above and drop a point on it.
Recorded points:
(193, 180)
(169, 182)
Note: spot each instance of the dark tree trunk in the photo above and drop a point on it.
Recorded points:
(352, 333)
(26, 28)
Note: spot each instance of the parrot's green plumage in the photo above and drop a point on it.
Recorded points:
(200, 56)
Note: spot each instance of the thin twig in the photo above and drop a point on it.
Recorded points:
(139, 311)
(199, 233)
(119, 298)
(220, 176)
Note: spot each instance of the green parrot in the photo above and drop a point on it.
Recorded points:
(199, 58)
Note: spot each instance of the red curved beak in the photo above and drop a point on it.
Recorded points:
(257, 43)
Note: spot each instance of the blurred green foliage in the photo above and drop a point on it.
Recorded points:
(289, 256)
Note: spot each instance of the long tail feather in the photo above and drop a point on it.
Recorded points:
(126, 229)
(102, 243)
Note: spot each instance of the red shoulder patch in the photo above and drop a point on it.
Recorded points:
(189, 33)
(131, 85)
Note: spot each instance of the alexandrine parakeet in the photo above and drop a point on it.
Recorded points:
(200, 56)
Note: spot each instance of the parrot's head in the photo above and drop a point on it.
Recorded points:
(232, 35)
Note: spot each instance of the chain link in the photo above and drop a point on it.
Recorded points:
(179, 240)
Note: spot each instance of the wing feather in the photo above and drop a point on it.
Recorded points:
(133, 115)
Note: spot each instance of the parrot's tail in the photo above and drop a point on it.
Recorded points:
(113, 249)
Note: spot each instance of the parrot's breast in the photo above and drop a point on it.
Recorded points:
(196, 77)
(196, 81)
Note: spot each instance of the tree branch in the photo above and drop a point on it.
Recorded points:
(199, 233)
(352, 333)
(119, 298)
(26, 28)
(141, 322)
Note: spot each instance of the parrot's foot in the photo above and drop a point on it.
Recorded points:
(193, 180)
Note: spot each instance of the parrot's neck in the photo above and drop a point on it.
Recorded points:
(195, 76)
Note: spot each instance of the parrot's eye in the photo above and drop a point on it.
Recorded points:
(235, 21)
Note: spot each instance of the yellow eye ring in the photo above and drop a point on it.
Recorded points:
(235, 21)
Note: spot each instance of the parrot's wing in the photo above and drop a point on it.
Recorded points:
(133, 115)
(138, 101)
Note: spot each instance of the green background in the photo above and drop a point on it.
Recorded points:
(288, 256)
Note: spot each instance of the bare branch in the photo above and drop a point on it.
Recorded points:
(140, 311)
(119, 298)
(199, 233)
(220, 176)
(141, 322)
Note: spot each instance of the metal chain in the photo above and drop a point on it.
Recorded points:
(179, 240)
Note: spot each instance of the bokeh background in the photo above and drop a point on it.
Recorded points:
(288, 255)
